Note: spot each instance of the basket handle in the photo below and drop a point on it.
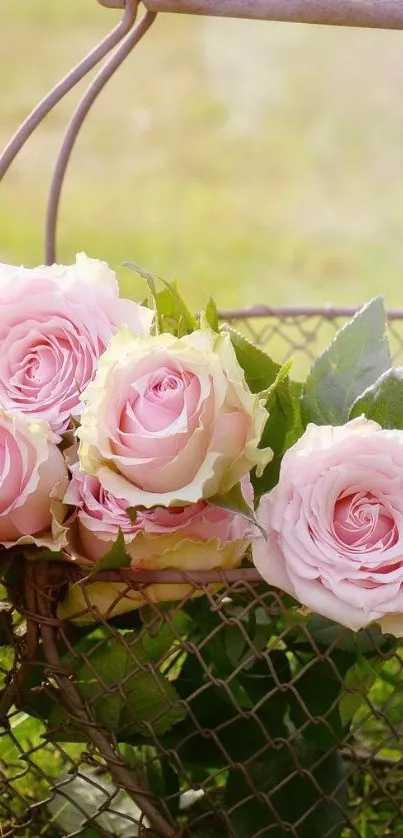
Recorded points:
(376, 14)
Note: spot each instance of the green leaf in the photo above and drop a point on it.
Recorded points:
(221, 652)
(383, 401)
(115, 558)
(178, 308)
(308, 802)
(235, 502)
(25, 733)
(159, 776)
(369, 641)
(151, 706)
(138, 651)
(261, 682)
(282, 429)
(356, 358)
(221, 733)
(283, 426)
(132, 513)
(260, 370)
(357, 683)
(214, 694)
(124, 696)
(282, 375)
(172, 313)
(313, 710)
(155, 643)
(211, 314)
(234, 642)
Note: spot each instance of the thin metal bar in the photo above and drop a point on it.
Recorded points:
(66, 84)
(111, 4)
(327, 312)
(376, 14)
(75, 124)
(172, 577)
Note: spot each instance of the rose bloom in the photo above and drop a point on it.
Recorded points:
(335, 525)
(194, 537)
(170, 420)
(33, 482)
(55, 323)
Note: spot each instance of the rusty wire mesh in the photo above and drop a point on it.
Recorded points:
(204, 757)
(273, 722)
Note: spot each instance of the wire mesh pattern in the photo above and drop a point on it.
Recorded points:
(274, 726)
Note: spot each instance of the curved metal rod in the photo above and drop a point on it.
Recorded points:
(377, 14)
(75, 124)
(66, 84)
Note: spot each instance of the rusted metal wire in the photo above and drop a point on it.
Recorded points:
(101, 79)
(327, 312)
(84, 719)
(66, 84)
(25, 651)
(197, 578)
(379, 14)
(363, 758)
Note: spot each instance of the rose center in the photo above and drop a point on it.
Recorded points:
(37, 368)
(362, 522)
(165, 385)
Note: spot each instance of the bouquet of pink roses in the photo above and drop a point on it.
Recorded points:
(141, 437)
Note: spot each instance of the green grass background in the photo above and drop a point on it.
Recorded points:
(260, 162)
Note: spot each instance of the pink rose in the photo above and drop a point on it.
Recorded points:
(55, 323)
(100, 517)
(195, 537)
(33, 482)
(170, 420)
(335, 525)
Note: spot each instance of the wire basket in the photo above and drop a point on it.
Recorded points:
(214, 706)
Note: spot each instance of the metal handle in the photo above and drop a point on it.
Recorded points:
(376, 14)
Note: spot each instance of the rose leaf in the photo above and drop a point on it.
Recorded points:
(115, 558)
(259, 369)
(356, 358)
(234, 501)
(383, 401)
(282, 429)
(124, 698)
(210, 314)
(132, 513)
(311, 800)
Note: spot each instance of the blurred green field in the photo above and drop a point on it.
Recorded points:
(261, 162)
